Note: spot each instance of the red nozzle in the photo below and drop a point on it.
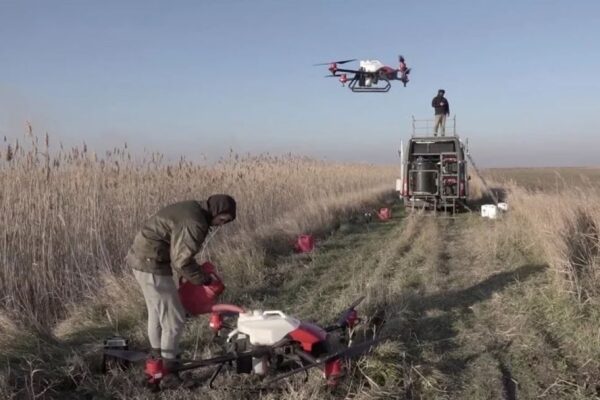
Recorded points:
(216, 321)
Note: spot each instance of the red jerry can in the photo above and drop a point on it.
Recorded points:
(305, 244)
(384, 214)
(199, 299)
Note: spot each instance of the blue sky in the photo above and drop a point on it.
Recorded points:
(196, 78)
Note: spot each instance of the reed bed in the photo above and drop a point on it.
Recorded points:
(556, 222)
(559, 210)
(67, 216)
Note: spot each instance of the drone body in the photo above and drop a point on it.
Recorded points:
(371, 76)
(270, 344)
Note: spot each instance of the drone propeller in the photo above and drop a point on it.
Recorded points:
(335, 62)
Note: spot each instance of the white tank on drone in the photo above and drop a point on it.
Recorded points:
(265, 327)
(371, 65)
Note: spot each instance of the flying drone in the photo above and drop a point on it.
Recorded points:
(369, 75)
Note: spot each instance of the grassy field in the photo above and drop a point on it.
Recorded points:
(547, 179)
(474, 309)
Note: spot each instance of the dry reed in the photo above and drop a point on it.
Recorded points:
(68, 216)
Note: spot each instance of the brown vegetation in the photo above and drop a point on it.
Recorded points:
(67, 218)
(474, 308)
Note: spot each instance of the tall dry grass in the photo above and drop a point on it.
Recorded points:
(67, 216)
(565, 225)
(559, 209)
(558, 225)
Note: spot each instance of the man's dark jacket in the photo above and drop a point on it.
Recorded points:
(441, 105)
(174, 235)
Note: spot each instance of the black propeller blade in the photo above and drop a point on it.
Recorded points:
(128, 355)
(335, 62)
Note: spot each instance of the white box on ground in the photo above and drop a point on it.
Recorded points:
(489, 211)
(398, 185)
(503, 206)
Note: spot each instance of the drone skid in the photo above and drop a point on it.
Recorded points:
(355, 86)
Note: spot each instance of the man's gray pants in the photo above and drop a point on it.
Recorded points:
(166, 315)
(440, 122)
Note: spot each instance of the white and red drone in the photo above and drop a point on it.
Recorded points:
(371, 76)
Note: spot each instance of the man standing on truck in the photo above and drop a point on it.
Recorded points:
(442, 109)
(169, 241)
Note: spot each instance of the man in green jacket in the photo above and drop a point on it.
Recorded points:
(169, 241)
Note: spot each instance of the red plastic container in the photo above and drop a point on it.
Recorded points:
(305, 244)
(384, 214)
(199, 299)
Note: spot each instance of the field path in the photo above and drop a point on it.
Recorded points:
(439, 294)
(458, 299)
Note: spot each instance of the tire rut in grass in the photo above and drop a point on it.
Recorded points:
(445, 340)
(312, 286)
(422, 277)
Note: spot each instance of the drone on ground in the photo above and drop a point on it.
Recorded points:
(269, 344)
(368, 75)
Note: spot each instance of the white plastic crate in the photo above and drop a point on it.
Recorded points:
(489, 211)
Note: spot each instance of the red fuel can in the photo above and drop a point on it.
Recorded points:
(305, 244)
(199, 299)
(384, 214)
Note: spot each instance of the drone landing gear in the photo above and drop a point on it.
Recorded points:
(355, 86)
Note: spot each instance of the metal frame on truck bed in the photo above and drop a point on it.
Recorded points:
(433, 172)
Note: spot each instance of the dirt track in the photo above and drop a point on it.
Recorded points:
(444, 300)
(458, 299)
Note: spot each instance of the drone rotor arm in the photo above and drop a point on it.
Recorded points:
(349, 352)
(348, 71)
(127, 355)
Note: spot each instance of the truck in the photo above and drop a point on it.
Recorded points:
(434, 169)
